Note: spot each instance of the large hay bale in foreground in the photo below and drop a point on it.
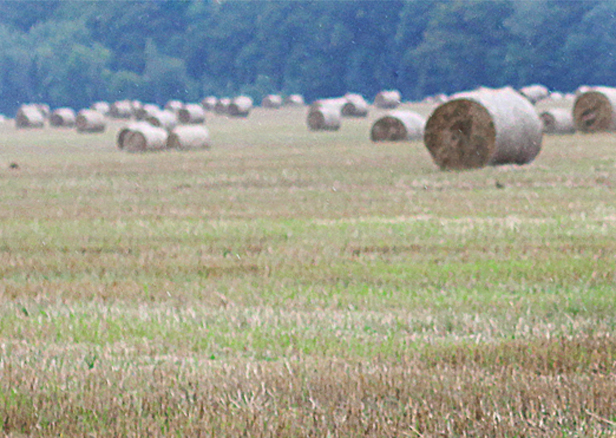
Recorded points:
(165, 119)
(143, 137)
(29, 116)
(240, 106)
(272, 101)
(90, 121)
(62, 117)
(482, 128)
(534, 93)
(388, 99)
(557, 121)
(294, 100)
(398, 126)
(595, 110)
(191, 114)
(189, 137)
(355, 106)
(324, 117)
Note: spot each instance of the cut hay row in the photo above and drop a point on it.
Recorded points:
(594, 109)
(62, 117)
(480, 128)
(398, 126)
(90, 121)
(29, 116)
(388, 99)
(557, 121)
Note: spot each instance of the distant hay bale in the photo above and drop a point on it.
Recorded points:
(29, 116)
(191, 114)
(535, 93)
(240, 106)
(222, 106)
(143, 137)
(334, 102)
(62, 117)
(324, 117)
(174, 105)
(484, 128)
(398, 126)
(294, 100)
(122, 109)
(209, 103)
(189, 137)
(595, 110)
(557, 121)
(44, 109)
(102, 107)
(146, 110)
(272, 101)
(126, 130)
(355, 106)
(388, 99)
(90, 121)
(165, 119)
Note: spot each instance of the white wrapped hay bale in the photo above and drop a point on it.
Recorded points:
(534, 93)
(189, 137)
(191, 114)
(174, 105)
(209, 103)
(388, 99)
(273, 101)
(594, 109)
(29, 116)
(62, 117)
(294, 100)
(146, 110)
(163, 119)
(483, 128)
(222, 105)
(355, 106)
(102, 107)
(90, 121)
(398, 126)
(122, 109)
(323, 117)
(240, 106)
(557, 121)
(142, 137)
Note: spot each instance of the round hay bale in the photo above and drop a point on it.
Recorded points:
(272, 101)
(102, 107)
(122, 109)
(191, 114)
(222, 106)
(163, 119)
(294, 100)
(209, 103)
(126, 130)
(355, 106)
(144, 137)
(189, 137)
(44, 109)
(240, 106)
(388, 99)
(534, 93)
(29, 116)
(557, 121)
(62, 117)
(484, 128)
(594, 110)
(90, 121)
(324, 118)
(398, 126)
(146, 110)
(174, 105)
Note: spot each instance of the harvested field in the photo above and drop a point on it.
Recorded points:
(284, 283)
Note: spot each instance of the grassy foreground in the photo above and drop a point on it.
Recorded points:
(291, 284)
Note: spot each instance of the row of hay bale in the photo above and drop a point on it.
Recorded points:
(141, 136)
(35, 116)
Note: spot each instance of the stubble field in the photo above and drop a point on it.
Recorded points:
(290, 283)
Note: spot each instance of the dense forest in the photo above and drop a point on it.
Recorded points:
(67, 52)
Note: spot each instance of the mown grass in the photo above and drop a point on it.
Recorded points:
(289, 283)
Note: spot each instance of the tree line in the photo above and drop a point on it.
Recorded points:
(72, 53)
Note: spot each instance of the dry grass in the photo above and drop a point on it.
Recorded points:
(293, 283)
